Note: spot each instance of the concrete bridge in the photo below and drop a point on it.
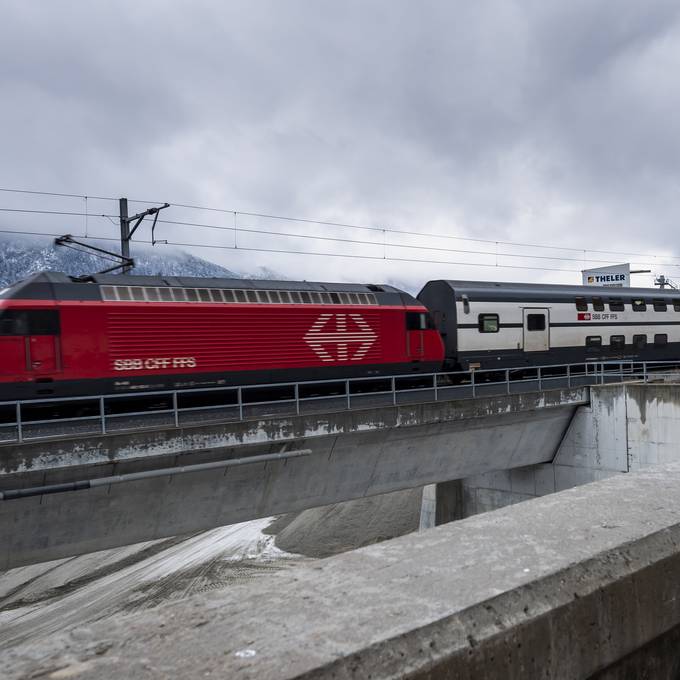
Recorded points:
(578, 583)
(74, 495)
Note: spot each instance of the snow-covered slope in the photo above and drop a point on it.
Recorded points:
(21, 256)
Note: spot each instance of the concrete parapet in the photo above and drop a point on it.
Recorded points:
(161, 443)
(564, 586)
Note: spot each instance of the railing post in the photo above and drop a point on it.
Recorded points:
(349, 401)
(540, 383)
(507, 381)
(174, 408)
(102, 414)
(434, 384)
(20, 434)
(393, 382)
(239, 395)
(297, 398)
(472, 381)
(621, 371)
(569, 376)
(644, 371)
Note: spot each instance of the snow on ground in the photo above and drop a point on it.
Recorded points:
(38, 600)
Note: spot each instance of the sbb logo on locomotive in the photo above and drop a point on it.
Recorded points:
(340, 337)
(154, 363)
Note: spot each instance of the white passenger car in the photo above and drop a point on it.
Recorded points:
(500, 325)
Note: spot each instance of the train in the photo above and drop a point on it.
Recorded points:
(62, 336)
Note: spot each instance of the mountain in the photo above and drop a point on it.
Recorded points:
(21, 256)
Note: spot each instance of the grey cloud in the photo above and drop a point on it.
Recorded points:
(552, 122)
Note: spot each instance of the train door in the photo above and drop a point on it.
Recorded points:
(536, 330)
(416, 324)
(43, 353)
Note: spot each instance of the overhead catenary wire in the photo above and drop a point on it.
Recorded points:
(297, 252)
(383, 230)
(383, 257)
(54, 212)
(53, 193)
(336, 239)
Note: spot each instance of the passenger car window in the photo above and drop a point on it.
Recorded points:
(598, 304)
(594, 341)
(639, 306)
(535, 322)
(617, 341)
(616, 305)
(659, 305)
(660, 339)
(488, 323)
(581, 304)
(640, 341)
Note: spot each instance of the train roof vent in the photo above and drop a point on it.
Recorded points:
(375, 289)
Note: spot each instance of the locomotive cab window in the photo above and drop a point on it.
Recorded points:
(594, 341)
(660, 339)
(29, 322)
(535, 322)
(488, 323)
(639, 306)
(616, 305)
(581, 304)
(418, 321)
(598, 304)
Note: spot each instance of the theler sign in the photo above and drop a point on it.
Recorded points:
(615, 276)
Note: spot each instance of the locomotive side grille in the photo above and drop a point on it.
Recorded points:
(232, 296)
(232, 338)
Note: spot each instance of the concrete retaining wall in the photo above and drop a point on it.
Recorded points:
(564, 586)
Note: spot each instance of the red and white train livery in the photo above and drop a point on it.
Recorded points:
(64, 337)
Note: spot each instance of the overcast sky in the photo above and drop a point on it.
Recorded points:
(531, 121)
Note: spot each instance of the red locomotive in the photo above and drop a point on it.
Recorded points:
(64, 337)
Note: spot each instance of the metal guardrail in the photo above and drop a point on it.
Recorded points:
(102, 418)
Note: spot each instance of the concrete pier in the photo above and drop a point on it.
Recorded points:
(623, 428)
